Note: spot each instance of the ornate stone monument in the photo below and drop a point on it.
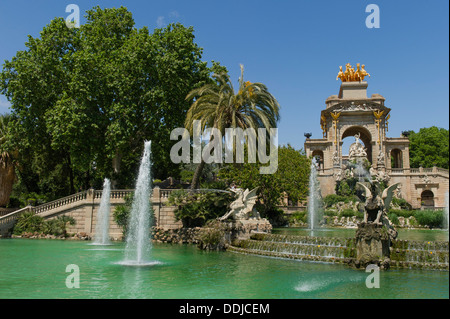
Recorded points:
(355, 113)
(375, 233)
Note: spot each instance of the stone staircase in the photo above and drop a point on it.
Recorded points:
(83, 208)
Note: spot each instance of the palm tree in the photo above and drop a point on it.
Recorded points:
(217, 106)
(7, 172)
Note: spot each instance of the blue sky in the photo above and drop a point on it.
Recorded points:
(295, 48)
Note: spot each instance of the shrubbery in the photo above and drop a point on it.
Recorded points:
(194, 209)
(333, 199)
(431, 218)
(31, 223)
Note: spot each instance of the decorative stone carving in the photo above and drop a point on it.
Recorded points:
(243, 207)
(380, 158)
(376, 206)
(336, 159)
(375, 233)
(357, 150)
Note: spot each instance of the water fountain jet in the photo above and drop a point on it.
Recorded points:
(138, 244)
(102, 227)
(314, 199)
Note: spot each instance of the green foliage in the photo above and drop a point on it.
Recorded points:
(346, 187)
(29, 222)
(85, 99)
(122, 212)
(300, 216)
(332, 199)
(429, 147)
(212, 236)
(393, 218)
(402, 203)
(350, 213)
(217, 105)
(291, 177)
(402, 212)
(196, 208)
(330, 213)
(431, 218)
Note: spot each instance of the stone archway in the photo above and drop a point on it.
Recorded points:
(396, 158)
(427, 199)
(365, 137)
(318, 154)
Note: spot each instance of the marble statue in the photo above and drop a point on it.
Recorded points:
(243, 207)
(376, 206)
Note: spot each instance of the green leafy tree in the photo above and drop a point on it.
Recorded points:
(85, 99)
(429, 147)
(291, 178)
(196, 208)
(217, 105)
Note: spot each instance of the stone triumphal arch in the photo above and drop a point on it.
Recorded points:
(352, 113)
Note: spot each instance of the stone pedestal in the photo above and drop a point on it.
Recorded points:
(372, 246)
(353, 90)
(243, 229)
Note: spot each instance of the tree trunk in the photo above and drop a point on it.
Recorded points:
(7, 178)
(197, 175)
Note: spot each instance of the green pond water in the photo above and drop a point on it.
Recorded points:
(37, 269)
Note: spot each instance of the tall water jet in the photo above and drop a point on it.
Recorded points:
(102, 227)
(314, 199)
(138, 244)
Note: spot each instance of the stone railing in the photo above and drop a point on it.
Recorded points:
(419, 171)
(60, 202)
(88, 197)
(7, 221)
(6, 211)
(115, 193)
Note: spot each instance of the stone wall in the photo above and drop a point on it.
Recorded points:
(83, 207)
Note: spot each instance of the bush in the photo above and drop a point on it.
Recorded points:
(402, 213)
(350, 213)
(300, 216)
(28, 222)
(212, 236)
(402, 203)
(330, 213)
(431, 218)
(196, 208)
(31, 223)
(393, 218)
(122, 212)
(332, 199)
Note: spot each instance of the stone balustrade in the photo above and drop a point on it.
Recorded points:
(84, 205)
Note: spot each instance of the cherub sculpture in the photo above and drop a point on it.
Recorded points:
(243, 207)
